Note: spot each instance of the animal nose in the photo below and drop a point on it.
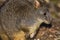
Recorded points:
(49, 18)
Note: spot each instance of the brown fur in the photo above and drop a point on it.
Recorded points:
(17, 15)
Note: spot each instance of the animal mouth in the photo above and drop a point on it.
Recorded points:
(46, 25)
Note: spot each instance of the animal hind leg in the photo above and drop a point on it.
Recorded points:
(19, 36)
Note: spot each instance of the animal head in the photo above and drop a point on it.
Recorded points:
(38, 8)
(42, 11)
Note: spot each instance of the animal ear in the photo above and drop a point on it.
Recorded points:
(36, 4)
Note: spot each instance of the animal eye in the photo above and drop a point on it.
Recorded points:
(45, 13)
